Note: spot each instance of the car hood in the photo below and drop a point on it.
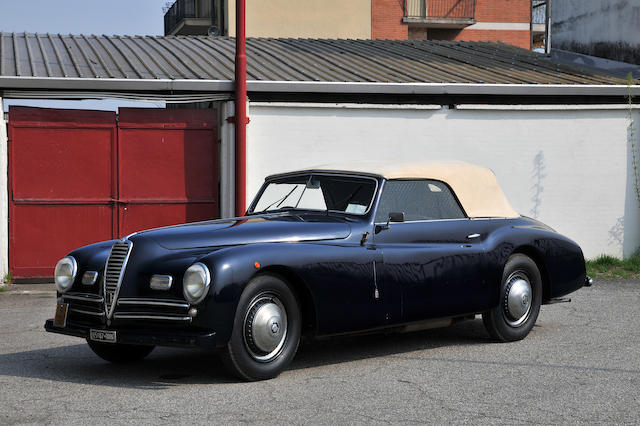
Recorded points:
(246, 230)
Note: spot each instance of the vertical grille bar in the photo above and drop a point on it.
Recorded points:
(113, 273)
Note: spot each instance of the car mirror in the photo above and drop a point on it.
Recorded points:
(396, 217)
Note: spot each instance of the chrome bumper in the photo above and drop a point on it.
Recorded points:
(91, 306)
(205, 340)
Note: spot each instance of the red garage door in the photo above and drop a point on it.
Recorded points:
(77, 177)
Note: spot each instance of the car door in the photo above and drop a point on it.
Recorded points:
(435, 255)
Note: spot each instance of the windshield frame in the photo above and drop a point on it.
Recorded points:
(267, 181)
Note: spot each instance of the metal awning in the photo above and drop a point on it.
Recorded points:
(176, 66)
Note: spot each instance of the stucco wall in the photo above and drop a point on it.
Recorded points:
(569, 168)
(605, 28)
(4, 202)
(305, 18)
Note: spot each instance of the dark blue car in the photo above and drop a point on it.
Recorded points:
(326, 251)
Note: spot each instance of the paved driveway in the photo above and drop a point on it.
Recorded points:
(580, 364)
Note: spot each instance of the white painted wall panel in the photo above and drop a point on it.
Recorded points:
(568, 168)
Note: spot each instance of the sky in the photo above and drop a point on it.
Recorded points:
(122, 17)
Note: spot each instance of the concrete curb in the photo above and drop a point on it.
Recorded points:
(31, 289)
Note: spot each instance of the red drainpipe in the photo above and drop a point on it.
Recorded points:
(241, 112)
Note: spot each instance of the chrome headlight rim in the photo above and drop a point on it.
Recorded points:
(67, 260)
(206, 275)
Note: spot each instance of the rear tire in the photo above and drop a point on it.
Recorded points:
(520, 300)
(119, 353)
(266, 330)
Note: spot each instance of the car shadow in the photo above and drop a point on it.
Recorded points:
(168, 367)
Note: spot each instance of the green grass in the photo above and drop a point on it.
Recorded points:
(8, 278)
(605, 266)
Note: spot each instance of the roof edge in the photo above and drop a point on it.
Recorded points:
(115, 84)
(201, 85)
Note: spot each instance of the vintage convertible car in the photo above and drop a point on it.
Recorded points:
(325, 251)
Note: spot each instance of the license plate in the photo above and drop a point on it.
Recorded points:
(60, 319)
(103, 335)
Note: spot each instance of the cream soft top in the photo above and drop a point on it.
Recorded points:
(476, 187)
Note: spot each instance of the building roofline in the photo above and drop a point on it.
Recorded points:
(208, 86)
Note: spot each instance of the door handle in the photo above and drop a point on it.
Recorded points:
(472, 236)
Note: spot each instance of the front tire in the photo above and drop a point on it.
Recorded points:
(266, 330)
(520, 300)
(119, 353)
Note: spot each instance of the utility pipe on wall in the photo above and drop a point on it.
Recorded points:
(241, 112)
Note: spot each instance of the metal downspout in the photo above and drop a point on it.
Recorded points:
(241, 112)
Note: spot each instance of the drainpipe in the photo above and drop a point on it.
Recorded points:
(547, 32)
(241, 112)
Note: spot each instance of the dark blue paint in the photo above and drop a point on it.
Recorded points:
(421, 269)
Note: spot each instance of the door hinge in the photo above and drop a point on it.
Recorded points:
(232, 119)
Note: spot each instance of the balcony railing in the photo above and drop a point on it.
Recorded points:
(186, 9)
(440, 12)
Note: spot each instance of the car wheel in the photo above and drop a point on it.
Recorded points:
(119, 353)
(266, 329)
(520, 300)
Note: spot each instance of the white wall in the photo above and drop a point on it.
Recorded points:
(569, 168)
(4, 201)
(227, 160)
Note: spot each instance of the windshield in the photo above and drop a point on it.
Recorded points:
(317, 192)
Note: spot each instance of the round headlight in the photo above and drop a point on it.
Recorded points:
(195, 283)
(65, 273)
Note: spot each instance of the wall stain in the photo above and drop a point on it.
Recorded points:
(538, 174)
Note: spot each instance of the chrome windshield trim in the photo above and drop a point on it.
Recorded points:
(148, 316)
(82, 311)
(84, 297)
(272, 178)
(152, 302)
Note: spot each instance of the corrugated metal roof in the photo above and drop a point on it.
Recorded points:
(199, 58)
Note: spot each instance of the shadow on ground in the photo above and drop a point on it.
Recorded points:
(167, 367)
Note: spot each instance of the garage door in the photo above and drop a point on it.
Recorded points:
(78, 177)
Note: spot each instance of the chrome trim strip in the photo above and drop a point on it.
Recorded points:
(84, 297)
(147, 316)
(82, 311)
(331, 173)
(152, 302)
(109, 309)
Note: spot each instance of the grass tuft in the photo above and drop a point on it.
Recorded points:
(605, 266)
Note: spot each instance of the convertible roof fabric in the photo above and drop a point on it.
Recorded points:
(475, 186)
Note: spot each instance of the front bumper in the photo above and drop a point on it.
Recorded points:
(142, 337)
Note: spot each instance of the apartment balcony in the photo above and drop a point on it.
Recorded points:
(188, 17)
(440, 13)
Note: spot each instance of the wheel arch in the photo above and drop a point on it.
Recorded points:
(537, 258)
(302, 292)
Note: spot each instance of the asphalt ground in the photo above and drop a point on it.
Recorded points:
(580, 364)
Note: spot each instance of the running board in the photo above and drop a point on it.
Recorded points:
(556, 300)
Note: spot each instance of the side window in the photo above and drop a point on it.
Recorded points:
(419, 200)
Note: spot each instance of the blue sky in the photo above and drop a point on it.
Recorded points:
(130, 17)
(123, 17)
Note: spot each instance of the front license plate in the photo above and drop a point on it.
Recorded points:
(103, 335)
(60, 319)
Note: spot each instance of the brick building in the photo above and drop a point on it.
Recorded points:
(507, 21)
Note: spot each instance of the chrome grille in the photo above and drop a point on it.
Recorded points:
(113, 272)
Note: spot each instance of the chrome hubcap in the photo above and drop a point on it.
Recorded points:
(517, 299)
(265, 327)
